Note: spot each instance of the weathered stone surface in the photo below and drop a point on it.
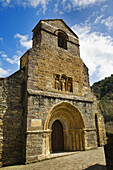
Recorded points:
(12, 118)
(52, 84)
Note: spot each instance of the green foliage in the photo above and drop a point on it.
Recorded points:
(104, 93)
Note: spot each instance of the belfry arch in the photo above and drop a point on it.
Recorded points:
(73, 126)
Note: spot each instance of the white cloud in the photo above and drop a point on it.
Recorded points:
(25, 3)
(3, 72)
(108, 22)
(8, 1)
(9, 60)
(68, 7)
(104, 8)
(1, 52)
(56, 8)
(60, 12)
(67, 4)
(84, 3)
(78, 4)
(35, 3)
(98, 19)
(1, 38)
(19, 53)
(63, 1)
(14, 60)
(5, 2)
(24, 40)
(96, 51)
(4, 55)
(38, 11)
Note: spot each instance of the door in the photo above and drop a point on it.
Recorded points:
(57, 137)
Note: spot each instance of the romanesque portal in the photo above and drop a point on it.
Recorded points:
(71, 127)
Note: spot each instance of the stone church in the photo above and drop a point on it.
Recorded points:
(47, 106)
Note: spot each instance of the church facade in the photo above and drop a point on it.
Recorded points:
(47, 106)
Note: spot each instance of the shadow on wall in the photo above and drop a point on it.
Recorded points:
(13, 150)
(96, 167)
(109, 151)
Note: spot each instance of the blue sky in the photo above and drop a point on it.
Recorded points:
(91, 20)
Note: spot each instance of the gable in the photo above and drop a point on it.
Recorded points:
(53, 25)
(60, 24)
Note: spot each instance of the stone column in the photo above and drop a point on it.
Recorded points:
(46, 142)
(81, 140)
(66, 138)
(77, 140)
(74, 140)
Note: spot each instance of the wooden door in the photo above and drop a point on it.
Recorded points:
(57, 137)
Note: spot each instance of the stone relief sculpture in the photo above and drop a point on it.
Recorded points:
(57, 82)
(63, 83)
(69, 84)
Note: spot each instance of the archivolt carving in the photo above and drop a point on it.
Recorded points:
(68, 112)
(73, 125)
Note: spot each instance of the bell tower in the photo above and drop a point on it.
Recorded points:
(57, 35)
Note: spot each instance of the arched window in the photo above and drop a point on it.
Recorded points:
(62, 41)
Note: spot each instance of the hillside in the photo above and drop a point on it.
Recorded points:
(104, 93)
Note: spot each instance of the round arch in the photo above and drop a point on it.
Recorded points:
(72, 122)
(62, 39)
(61, 31)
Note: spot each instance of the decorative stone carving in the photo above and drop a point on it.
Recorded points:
(57, 82)
(63, 83)
(69, 84)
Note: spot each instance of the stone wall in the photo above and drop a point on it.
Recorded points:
(46, 59)
(12, 118)
(40, 105)
(38, 108)
(44, 62)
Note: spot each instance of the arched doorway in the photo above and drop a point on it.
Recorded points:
(57, 137)
(72, 124)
